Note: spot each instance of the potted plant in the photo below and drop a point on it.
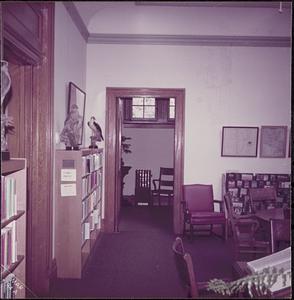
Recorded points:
(125, 147)
(258, 284)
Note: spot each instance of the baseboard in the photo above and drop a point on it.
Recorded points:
(92, 253)
(52, 274)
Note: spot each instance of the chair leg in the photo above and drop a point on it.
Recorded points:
(184, 228)
(211, 227)
(191, 231)
(225, 231)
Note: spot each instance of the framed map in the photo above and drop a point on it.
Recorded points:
(239, 141)
(273, 141)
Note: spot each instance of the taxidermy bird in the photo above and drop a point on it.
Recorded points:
(96, 133)
(72, 130)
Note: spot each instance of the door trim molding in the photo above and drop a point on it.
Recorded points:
(111, 153)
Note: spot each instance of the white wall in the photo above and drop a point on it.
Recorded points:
(151, 148)
(69, 65)
(225, 86)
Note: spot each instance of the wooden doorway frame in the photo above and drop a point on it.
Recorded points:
(112, 148)
(32, 107)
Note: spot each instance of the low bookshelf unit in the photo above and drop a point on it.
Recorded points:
(13, 228)
(78, 208)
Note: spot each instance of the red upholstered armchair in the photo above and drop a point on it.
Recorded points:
(198, 204)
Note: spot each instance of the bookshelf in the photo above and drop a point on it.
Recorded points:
(13, 228)
(78, 208)
(239, 183)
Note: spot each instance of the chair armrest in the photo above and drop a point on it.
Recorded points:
(249, 216)
(248, 221)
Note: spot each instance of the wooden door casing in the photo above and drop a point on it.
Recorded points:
(31, 64)
(111, 154)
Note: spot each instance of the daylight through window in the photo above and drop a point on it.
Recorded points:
(143, 108)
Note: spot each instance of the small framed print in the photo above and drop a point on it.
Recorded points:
(239, 141)
(76, 109)
(273, 140)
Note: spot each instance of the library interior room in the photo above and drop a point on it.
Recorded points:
(146, 149)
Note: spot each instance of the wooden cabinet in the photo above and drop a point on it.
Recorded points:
(22, 32)
(27, 41)
(13, 228)
(78, 208)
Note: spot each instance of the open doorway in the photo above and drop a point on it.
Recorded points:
(147, 156)
(114, 118)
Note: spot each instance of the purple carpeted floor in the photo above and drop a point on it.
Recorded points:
(138, 261)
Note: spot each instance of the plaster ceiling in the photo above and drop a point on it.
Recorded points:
(88, 9)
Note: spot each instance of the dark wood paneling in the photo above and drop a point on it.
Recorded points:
(112, 155)
(22, 30)
(32, 106)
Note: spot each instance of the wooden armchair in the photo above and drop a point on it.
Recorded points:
(198, 208)
(143, 186)
(262, 198)
(185, 269)
(245, 233)
(280, 233)
(164, 186)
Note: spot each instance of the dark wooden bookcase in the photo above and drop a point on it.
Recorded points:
(15, 169)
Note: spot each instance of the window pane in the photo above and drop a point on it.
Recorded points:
(138, 101)
(149, 112)
(172, 101)
(171, 112)
(137, 112)
(149, 101)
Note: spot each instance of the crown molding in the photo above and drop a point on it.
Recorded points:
(234, 4)
(76, 18)
(189, 40)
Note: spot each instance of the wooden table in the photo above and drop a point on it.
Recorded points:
(271, 213)
(274, 230)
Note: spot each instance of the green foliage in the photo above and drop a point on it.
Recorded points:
(125, 146)
(259, 282)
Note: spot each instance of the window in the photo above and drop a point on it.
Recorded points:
(149, 111)
(143, 108)
(172, 108)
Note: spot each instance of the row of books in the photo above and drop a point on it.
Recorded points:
(85, 231)
(240, 183)
(95, 218)
(8, 287)
(89, 203)
(8, 197)
(258, 176)
(8, 245)
(257, 184)
(93, 222)
(89, 182)
(91, 163)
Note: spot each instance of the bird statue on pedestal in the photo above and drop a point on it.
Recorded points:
(96, 133)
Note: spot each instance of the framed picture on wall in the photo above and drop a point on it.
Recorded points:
(273, 140)
(76, 107)
(239, 141)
